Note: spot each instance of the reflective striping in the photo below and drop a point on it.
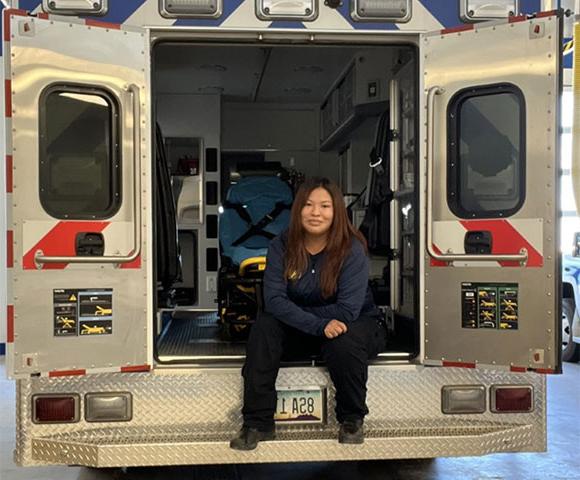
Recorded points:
(9, 248)
(9, 179)
(8, 98)
(517, 18)
(549, 13)
(506, 239)
(438, 263)
(445, 363)
(43, 16)
(136, 368)
(518, 369)
(548, 371)
(96, 23)
(60, 241)
(458, 29)
(134, 264)
(7, 14)
(66, 373)
(10, 324)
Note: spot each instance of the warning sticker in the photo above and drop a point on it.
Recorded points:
(489, 305)
(83, 312)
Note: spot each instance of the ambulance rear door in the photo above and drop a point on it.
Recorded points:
(77, 118)
(491, 295)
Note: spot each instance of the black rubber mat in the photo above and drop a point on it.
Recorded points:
(196, 334)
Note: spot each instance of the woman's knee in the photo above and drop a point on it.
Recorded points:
(340, 348)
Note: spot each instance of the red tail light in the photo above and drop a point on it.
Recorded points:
(512, 398)
(55, 408)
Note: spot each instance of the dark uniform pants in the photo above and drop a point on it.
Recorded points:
(346, 358)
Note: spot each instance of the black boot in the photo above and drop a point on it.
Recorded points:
(351, 431)
(248, 438)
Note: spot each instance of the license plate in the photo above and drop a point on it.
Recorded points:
(301, 405)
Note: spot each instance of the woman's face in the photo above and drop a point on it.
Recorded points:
(318, 212)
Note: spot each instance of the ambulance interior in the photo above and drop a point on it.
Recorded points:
(228, 115)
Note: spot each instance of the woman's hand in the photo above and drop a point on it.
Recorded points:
(334, 328)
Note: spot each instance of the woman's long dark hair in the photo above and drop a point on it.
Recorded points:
(339, 237)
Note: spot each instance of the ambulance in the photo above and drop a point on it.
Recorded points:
(134, 131)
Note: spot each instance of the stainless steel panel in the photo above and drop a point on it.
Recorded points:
(188, 415)
(488, 54)
(45, 52)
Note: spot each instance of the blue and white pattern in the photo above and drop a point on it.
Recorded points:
(427, 15)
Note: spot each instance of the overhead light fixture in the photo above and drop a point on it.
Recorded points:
(478, 10)
(398, 11)
(301, 10)
(76, 7)
(191, 8)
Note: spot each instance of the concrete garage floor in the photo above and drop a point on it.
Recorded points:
(562, 461)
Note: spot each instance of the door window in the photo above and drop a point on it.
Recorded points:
(79, 153)
(486, 151)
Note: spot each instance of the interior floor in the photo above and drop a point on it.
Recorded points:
(191, 336)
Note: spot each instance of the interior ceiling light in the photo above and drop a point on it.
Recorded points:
(73, 7)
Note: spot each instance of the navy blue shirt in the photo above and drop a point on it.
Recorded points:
(299, 303)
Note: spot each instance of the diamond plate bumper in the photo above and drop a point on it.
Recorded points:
(187, 416)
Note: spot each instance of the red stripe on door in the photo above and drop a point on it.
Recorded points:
(96, 23)
(136, 368)
(506, 239)
(10, 249)
(66, 373)
(10, 324)
(7, 13)
(437, 263)
(8, 98)
(60, 242)
(458, 364)
(134, 264)
(8, 173)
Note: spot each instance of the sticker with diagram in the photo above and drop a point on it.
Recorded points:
(489, 306)
(83, 312)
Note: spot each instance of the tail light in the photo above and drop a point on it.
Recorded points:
(512, 398)
(55, 408)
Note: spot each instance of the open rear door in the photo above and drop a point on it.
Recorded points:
(492, 255)
(77, 96)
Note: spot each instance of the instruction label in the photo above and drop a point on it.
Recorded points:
(489, 305)
(83, 312)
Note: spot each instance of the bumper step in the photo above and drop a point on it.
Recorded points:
(117, 447)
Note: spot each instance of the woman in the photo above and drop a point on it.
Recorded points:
(316, 292)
